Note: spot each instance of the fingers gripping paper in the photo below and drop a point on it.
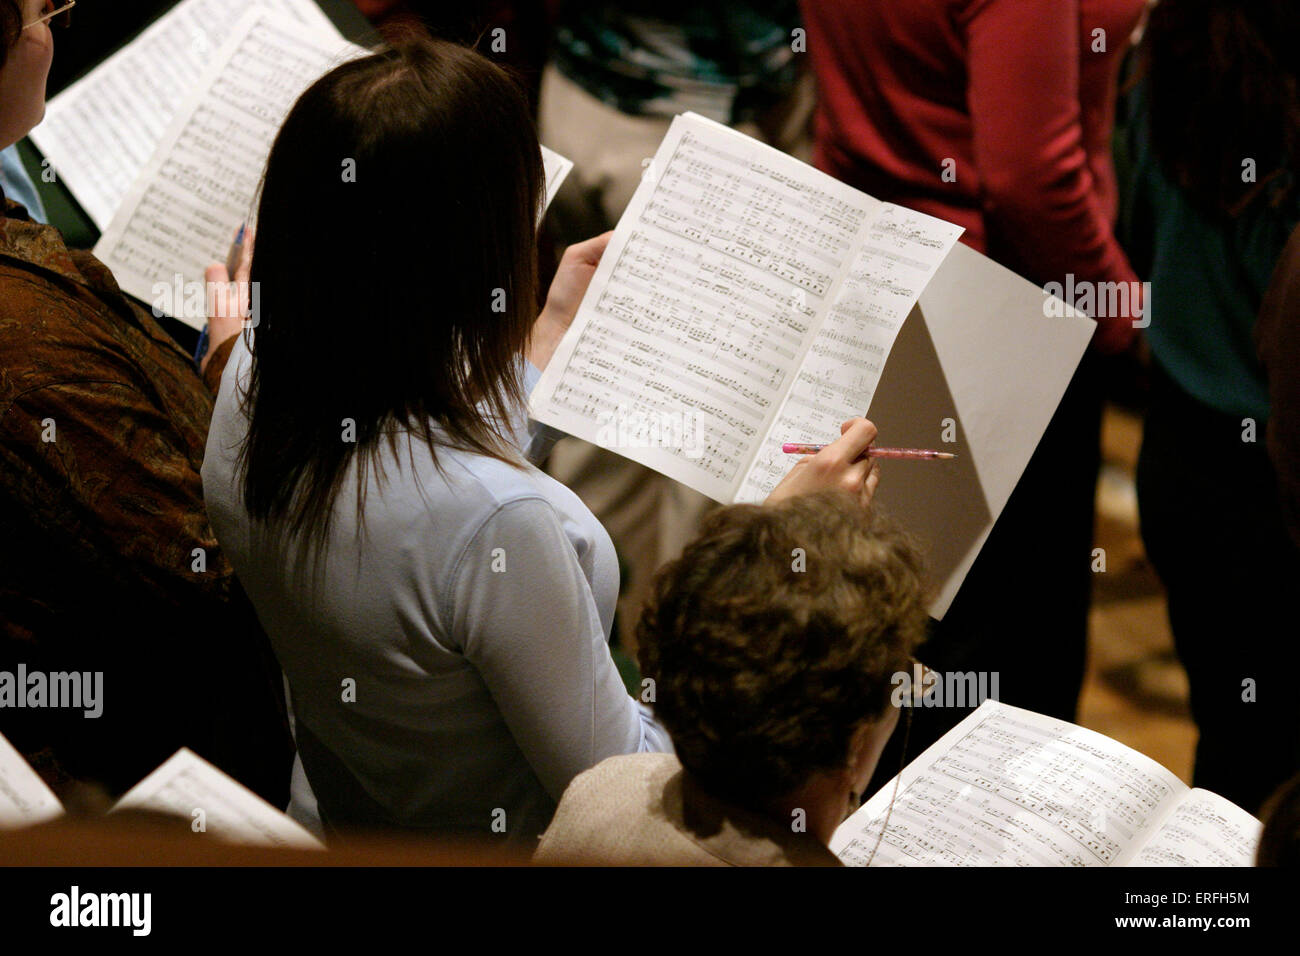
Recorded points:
(747, 300)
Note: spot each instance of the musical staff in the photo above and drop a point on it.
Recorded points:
(100, 132)
(188, 787)
(732, 289)
(900, 253)
(1008, 787)
(1203, 830)
(201, 183)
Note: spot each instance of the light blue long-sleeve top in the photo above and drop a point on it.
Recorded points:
(19, 186)
(451, 669)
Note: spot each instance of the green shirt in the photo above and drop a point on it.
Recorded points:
(1207, 278)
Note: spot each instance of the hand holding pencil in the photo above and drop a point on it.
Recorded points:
(841, 464)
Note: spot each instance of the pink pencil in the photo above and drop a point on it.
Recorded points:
(795, 448)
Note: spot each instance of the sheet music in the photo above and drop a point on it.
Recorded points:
(25, 800)
(704, 302)
(902, 251)
(1007, 787)
(199, 187)
(187, 783)
(732, 267)
(100, 132)
(1204, 829)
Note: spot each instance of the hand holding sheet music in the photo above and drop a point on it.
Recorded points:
(726, 302)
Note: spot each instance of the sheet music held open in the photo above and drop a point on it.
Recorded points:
(745, 295)
(200, 184)
(100, 132)
(1008, 787)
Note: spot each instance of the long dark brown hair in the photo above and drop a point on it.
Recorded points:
(397, 264)
(1225, 87)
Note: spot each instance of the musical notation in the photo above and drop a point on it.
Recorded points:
(200, 184)
(733, 289)
(900, 253)
(100, 132)
(1011, 788)
(188, 787)
(1203, 830)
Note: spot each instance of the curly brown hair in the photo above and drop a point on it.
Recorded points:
(764, 665)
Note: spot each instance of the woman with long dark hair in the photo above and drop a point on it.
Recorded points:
(441, 608)
(1216, 145)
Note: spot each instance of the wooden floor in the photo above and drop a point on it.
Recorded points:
(1135, 691)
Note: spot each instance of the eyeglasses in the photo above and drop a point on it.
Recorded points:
(59, 14)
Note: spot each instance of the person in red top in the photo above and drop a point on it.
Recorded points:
(996, 115)
(992, 114)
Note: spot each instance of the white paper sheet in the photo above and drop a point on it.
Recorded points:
(25, 800)
(99, 133)
(188, 786)
(731, 263)
(980, 354)
(1203, 830)
(1007, 787)
(556, 168)
(200, 185)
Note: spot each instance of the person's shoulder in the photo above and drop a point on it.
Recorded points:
(624, 774)
(490, 494)
(616, 813)
(51, 336)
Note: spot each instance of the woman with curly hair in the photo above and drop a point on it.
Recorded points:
(769, 648)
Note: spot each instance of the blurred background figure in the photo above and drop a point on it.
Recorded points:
(1278, 334)
(1279, 844)
(1215, 144)
(997, 115)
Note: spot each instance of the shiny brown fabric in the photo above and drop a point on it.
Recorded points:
(100, 531)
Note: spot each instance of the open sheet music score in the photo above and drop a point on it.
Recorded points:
(1008, 787)
(99, 133)
(745, 300)
(182, 785)
(200, 185)
(187, 785)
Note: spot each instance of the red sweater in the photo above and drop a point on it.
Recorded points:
(1010, 91)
